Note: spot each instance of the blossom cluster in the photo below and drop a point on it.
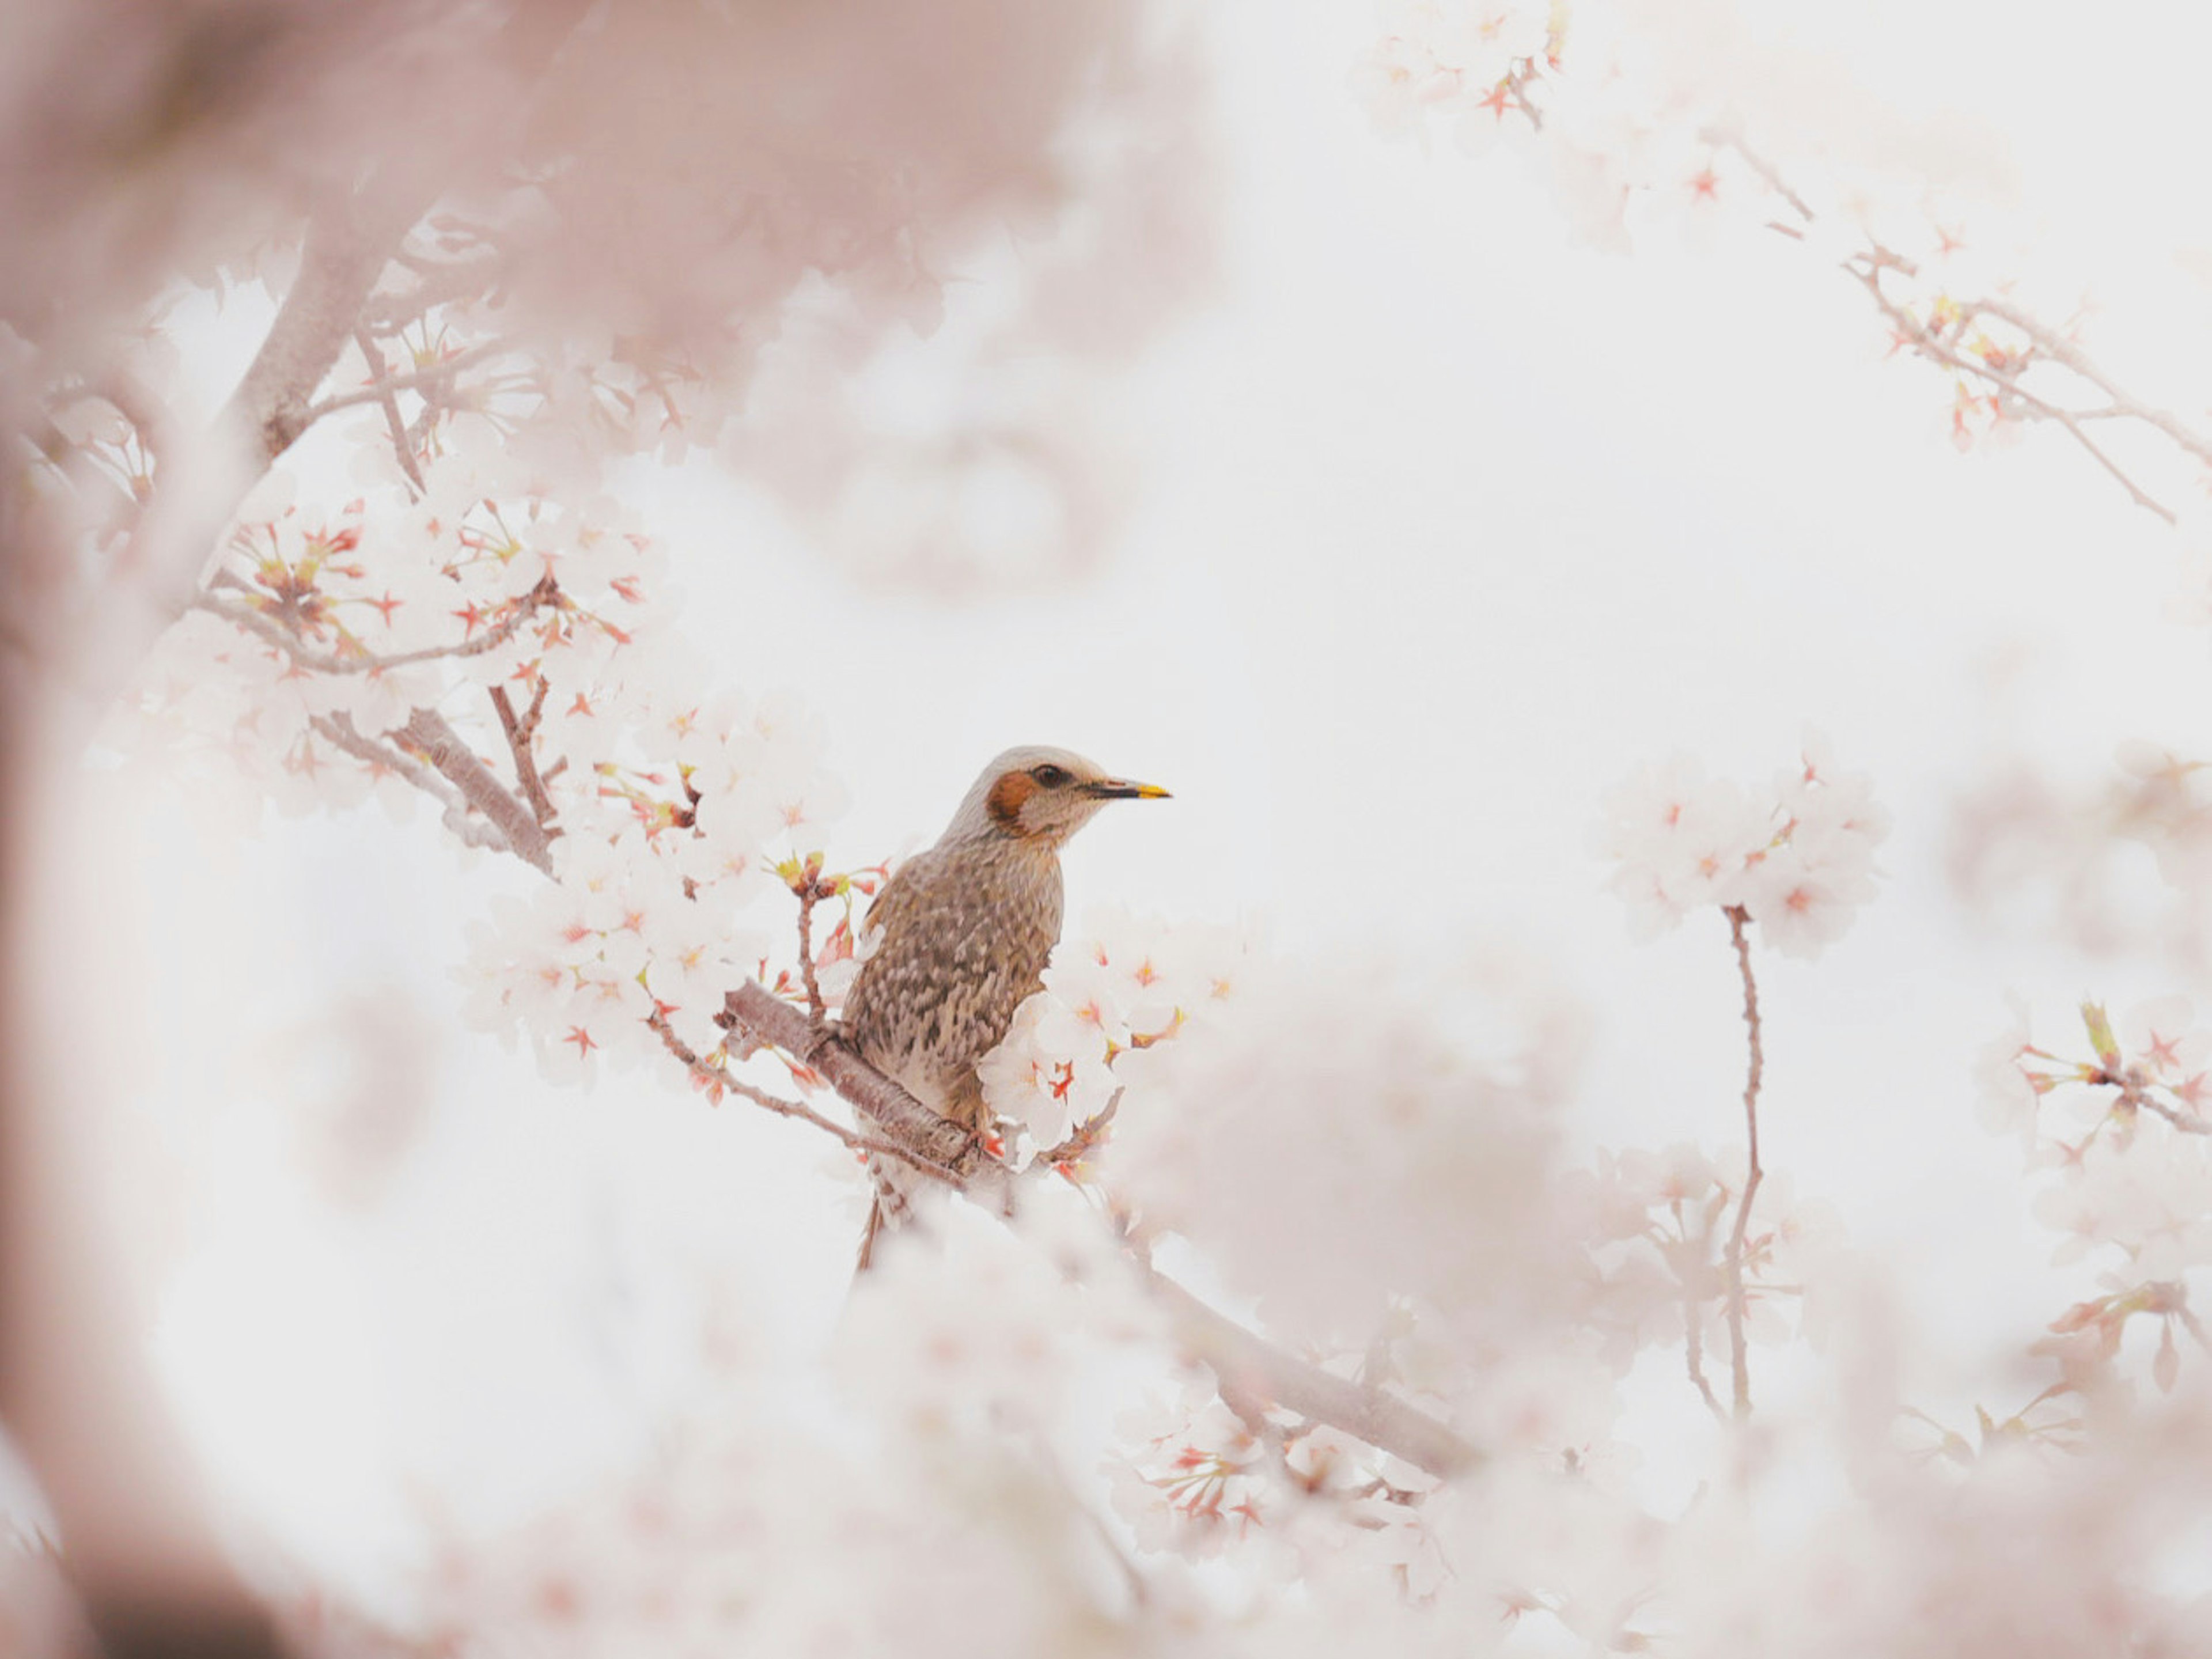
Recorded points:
(1128, 983)
(1473, 63)
(1798, 859)
(2118, 1129)
(1634, 125)
(700, 808)
(409, 640)
(1329, 1145)
(322, 632)
(2058, 858)
(1638, 123)
(1655, 1226)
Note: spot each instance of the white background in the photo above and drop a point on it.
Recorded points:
(1444, 526)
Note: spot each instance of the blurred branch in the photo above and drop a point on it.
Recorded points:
(150, 417)
(1244, 1363)
(1932, 343)
(1248, 1364)
(1941, 339)
(443, 283)
(1694, 1351)
(1739, 1357)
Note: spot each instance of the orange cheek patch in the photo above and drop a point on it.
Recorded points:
(1008, 796)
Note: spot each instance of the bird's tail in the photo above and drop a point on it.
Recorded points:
(867, 1256)
(890, 1206)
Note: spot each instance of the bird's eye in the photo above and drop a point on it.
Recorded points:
(1051, 777)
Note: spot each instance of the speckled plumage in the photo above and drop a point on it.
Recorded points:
(966, 929)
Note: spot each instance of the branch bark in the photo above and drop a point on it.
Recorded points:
(450, 757)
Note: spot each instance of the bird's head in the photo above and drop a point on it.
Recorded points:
(1039, 797)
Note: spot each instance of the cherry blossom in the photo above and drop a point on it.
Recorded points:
(1798, 860)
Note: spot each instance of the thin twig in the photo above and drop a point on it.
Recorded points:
(1926, 342)
(1085, 1135)
(521, 730)
(1740, 1360)
(393, 421)
(808, 887)
(2067, 354)
(149, 417)
(443, 283)
(418, 381)
(1768, 174)
(2045, 342)
(1693, 1347)
(2136, 1092)
(360, 661)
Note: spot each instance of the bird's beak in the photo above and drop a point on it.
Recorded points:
(1123, 789)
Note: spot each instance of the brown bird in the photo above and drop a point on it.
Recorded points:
(966, 927)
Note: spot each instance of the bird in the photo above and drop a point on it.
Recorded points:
(963, 932)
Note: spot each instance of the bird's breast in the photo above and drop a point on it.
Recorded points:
(966, 933)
